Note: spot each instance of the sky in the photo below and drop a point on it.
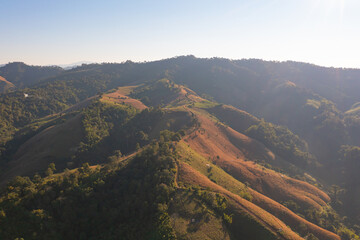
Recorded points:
(50, 32)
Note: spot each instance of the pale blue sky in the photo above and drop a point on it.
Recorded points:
(45, 32)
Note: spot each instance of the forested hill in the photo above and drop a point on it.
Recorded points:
(338, 85)
(248, 148)
(301, 96)
(22, 75)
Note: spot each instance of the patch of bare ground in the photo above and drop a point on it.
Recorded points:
(118, 97)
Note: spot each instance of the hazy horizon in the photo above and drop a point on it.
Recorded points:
(321, 32)
(78, 63)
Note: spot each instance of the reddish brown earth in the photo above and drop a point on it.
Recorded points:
(261, 207)
(234, 152)
(117, 97)
(6, 81)
(5, 84)
(189, 175)
(288, 216)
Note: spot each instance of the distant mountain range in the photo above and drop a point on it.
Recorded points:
(73, 65)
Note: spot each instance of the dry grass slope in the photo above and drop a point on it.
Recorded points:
(189, 175)
(215, 141)
(119, 97)
(289, 217)
(226, 181)
(232, 151)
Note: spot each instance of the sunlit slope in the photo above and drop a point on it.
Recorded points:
(276, 227)
(233, 152)
(290, 218)
(120, 96)
(223, 179)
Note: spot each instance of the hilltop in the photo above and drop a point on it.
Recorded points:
(21, 75)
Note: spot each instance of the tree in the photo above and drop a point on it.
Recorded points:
(50, 170)
(311, 236)
(137, 147)
(52, 166)
(118, 153)
(85, 169)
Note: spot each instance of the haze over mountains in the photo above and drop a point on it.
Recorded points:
(73, 65)
(181, 148)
